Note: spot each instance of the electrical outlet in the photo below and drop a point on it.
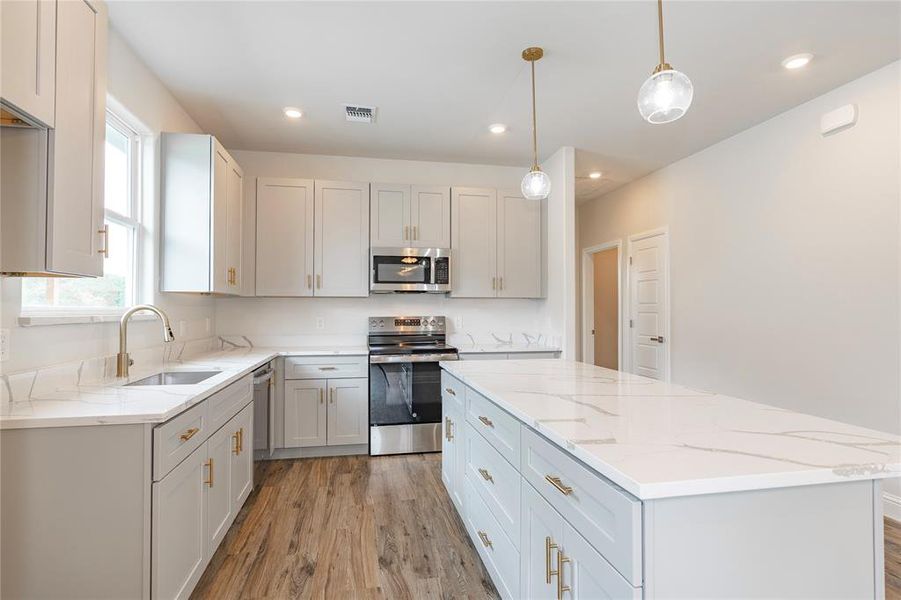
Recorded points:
(320, 323)
(4, 344)
(458, 323)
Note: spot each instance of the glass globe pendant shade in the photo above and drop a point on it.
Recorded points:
(665, 96)
(536, 185)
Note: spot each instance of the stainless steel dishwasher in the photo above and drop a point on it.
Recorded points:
(264, 411)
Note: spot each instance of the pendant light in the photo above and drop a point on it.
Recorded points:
(536, 185)
(666, 95)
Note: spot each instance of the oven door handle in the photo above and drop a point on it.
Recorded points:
(375, 359)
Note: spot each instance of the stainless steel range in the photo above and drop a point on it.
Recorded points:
(405, 383)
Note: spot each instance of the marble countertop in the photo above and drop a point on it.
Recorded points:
(659, 440)
(501, 348)
(111, 403)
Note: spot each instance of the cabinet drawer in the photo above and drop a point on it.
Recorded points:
(498, 427)
(498, 553)
(608, 517)
(496, 481)
(226, 403)
(175, 439)
(326, 367)
(452, 391)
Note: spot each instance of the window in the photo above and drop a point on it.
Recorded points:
(117, 288)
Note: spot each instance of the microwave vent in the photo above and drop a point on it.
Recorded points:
(359, 114)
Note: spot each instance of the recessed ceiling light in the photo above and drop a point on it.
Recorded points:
(595, 174)
(293, 113)
(497, 128)
(797, 61)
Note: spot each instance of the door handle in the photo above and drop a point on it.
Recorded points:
(448, 432)
(658, 339)
(310, 282)
(321, 399)
(105, 249)
(318, 281)
(209, 464)
(561, 560)
(415, 233)
(406, 232)
(548, 546)
(557, 483)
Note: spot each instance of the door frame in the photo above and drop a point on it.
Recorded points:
(588, 300)
(664, 231)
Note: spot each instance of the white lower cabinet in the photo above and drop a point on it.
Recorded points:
(196, 502)
(497, 551)
(325, 412)
(348, 412)
(453, 457)
(305, 413)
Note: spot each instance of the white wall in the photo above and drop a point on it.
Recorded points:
(347, 316)
(784, 257)
(136, 88)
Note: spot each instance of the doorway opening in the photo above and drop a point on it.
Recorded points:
(602, 305)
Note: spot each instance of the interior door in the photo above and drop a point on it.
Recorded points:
(430, 214)
(178, 547)
(649, 305)
(518, 246)
(474, 243)
(284, 237)
(542, 531)
(75, 217)
(241, 457)
(341, 258)
(348, 411)
(389, 215)
(234, 213)
(305, 413)
(219, 221)
(219, 504)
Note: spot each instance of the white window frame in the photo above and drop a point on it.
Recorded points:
(52, 315)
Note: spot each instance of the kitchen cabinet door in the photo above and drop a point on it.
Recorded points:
(341, 238)
(28, 54)
(219, 501)
(178, 540)
(348, 411)
(234, 210)
(75, 238)
(389, 214)
(430, 217)
(241, 428)
(453, 425)
(284, 237)
(473, 243)
(518, 246)
(587, 574)
(542, 533)
(219, 269)
(305, 413)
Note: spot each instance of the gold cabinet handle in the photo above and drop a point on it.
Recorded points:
(450, 391)
(321, 399)
(318, 281)
(561, 560)
(209, 465)
(105, 249)
(328, 368)
(548, 546)
(331, 395)
(237, 447)
(406, 232)
(486, 421)
(241, 439)
(500, 283)
(494, 283)
(555, 481)
(415, 233)
(486, 475)
(310, 282)
(447, 429)
(187, 435)
(485, 540)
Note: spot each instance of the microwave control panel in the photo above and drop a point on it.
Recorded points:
(442, 270)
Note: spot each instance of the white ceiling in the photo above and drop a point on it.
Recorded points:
(441, 72)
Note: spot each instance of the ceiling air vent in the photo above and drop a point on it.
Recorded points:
(359, 114)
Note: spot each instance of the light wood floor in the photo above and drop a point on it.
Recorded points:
(360, 527)
(347, 527)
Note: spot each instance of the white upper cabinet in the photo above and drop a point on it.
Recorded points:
(404, 216)
(75, 236)
(430, 217)
(474, 243)
(28, 55)
(341, 238)
(496, 244)
(389, 215)
(202, 215)
(284, 237)
(519, 246)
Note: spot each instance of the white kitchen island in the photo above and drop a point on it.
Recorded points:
(576, 481)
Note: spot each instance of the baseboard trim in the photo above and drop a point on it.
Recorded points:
(317, 451)
(891, 506)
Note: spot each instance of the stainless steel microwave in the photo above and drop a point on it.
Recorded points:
(409, 270)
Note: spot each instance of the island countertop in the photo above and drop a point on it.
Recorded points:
(659, 440)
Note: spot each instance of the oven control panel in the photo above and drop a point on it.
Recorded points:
(430, 324)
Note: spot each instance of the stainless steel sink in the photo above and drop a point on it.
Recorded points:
(175, 378)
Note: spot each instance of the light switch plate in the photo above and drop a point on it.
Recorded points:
(320, 323)
(4, 344)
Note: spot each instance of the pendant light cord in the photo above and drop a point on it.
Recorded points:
(534, 123)
(660, 29)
